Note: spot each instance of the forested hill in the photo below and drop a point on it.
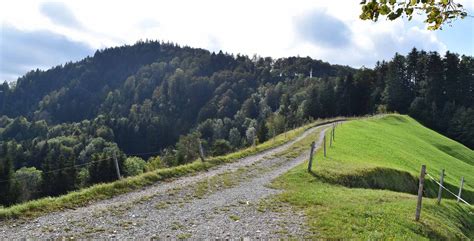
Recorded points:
(156, 98)
(152, 86)
(80, 88)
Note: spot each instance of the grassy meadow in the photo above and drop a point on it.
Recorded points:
(366, 186)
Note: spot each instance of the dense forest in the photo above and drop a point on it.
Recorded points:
(148, 104)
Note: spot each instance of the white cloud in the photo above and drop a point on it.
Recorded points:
(263, 27)
(21, 51)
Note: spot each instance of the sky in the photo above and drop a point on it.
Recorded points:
(38, 34)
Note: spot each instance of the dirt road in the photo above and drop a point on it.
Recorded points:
(228, 201)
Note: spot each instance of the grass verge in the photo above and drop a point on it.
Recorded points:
(338, 212)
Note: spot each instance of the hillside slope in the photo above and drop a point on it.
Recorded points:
(383, 153)
(399, 143)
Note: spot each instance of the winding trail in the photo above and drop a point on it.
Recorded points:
(227, 201)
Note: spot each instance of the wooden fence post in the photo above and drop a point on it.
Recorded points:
(324, 145)
(460, 189)
(420, 192)
(330, 139)
(201, 151)
(117, 169)
(310, 163)
(334, 133)
(441, 179)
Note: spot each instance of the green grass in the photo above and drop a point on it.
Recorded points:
(391, 151)
(108, 190)
(343, 198)
(234, 218)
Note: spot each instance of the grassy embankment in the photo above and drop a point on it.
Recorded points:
(107, 190)
(366, 187)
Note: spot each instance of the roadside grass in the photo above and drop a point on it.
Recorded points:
(104, 191)
(337, 212)
(343, 197)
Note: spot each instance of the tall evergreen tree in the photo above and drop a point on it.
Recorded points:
(6, 175)
(452, 85)
(398, 92)
(466, 82)
(432, 87)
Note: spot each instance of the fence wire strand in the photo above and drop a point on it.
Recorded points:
(59, 169)
(79, 165)
(431, 177)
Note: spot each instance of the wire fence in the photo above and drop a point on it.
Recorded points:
(449, 191)
(421, 180)
(78, 165)
(440, 190)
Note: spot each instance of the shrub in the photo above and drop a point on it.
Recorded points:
(382, 109)
(83, 177)
(27, 183)
(154, 163)
(133, 166)
(221, 147)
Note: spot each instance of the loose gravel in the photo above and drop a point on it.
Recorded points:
(227, 201)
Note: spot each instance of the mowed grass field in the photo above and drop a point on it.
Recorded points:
(366, 186)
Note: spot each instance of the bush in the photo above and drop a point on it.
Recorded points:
(382, 109)
(27, 183)
(154, 163)
(187, 148)
(83, 177)
(133, 166)
(235, 138)
(221, 147)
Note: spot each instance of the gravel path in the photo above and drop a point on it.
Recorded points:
(228, 201)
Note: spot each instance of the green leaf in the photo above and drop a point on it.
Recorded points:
(399, 11)
(384, 10)
(392, 16)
